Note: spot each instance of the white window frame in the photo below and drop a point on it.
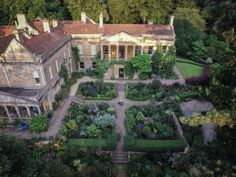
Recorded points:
(57, 67)
(50, 72)
(93, 49)
(36, 76)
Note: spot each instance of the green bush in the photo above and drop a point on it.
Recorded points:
(39, 123)
(93, 131)
(139, 116)
(142, 145)
(104, 144)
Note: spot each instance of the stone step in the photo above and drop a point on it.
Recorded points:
(120, 161)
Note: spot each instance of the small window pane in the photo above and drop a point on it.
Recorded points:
(93, 50)
(150, 49)
(81, 64)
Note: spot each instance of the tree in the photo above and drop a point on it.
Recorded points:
(93, 8)
(192, 15)
(217, 49)
(186, 34)
(118, 11)
(142, 63)
(198, 51)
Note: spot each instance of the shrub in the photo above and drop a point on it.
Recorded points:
(140, 116)
(39, 123)
(71, 124)
(156, 84)
(146, 130)
(200, 80)
(92, 131)
(155, 145)
(111, 110)
(105, 121)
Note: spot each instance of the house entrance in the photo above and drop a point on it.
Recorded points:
(121, 73)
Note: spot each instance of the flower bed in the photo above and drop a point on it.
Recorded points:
(149, 128)
(156, 91)
(89, 121)
(97, 90)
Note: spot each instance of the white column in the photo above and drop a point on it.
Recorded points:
(126, 52)
(28, 111)
(17, 111)
(101, 52)
(141, 50)
(7, 111)
(39, 110)
(133, 50)
(109, 48)
(117, 52)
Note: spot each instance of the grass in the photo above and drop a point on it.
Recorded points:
(189, 69)
(143, 145)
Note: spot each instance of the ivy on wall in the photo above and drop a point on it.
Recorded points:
(75, 52)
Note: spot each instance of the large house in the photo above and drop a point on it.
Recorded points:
(32, 52)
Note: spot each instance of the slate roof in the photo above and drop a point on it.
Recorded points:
(20, 91)
(44, 41)
(76, 27)
(4, 42)
(6, 30)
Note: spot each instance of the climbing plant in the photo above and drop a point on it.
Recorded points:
(75, 52)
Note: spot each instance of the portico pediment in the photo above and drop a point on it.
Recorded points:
(122, 37)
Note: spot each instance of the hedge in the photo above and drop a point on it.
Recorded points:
(143, 145)
(104, 144)
(98, 98)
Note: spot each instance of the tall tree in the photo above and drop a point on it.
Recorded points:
(93, 8)
(192, 15)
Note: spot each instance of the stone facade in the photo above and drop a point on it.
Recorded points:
(29, 70)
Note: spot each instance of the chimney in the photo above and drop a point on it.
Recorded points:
(54, 23)
(150, 22)
(83, 17)
(101, 20)
(171, 20)
(22, 22)
(46, 26)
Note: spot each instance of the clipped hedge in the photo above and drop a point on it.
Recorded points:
(98, 98)
(104, 144)
(143, 145)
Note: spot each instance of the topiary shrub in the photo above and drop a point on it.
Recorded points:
(39, 123)
(140, 116)
(146, 130)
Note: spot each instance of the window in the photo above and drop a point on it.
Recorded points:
(80, 48)
(164, 48)
(36, 77)
(150, 50)
(94, 64)
(93, 49)
(137, 50)
(50, 72)
(57, 65)
(81, 64)
(105, 50)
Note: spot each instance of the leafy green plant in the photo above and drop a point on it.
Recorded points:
(39, 123)
(146, 130)
(140, 116)
(105, 121)
(93, 131)
(72, 124)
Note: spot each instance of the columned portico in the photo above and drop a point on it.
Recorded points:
(120, 51)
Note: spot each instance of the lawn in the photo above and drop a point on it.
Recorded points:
(189, 69)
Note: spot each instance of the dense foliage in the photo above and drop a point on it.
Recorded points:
(163, 63)
(23, 158)
(98, 90)
(89, 121)
(149, 122)
(39, 123)
(157, 92)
